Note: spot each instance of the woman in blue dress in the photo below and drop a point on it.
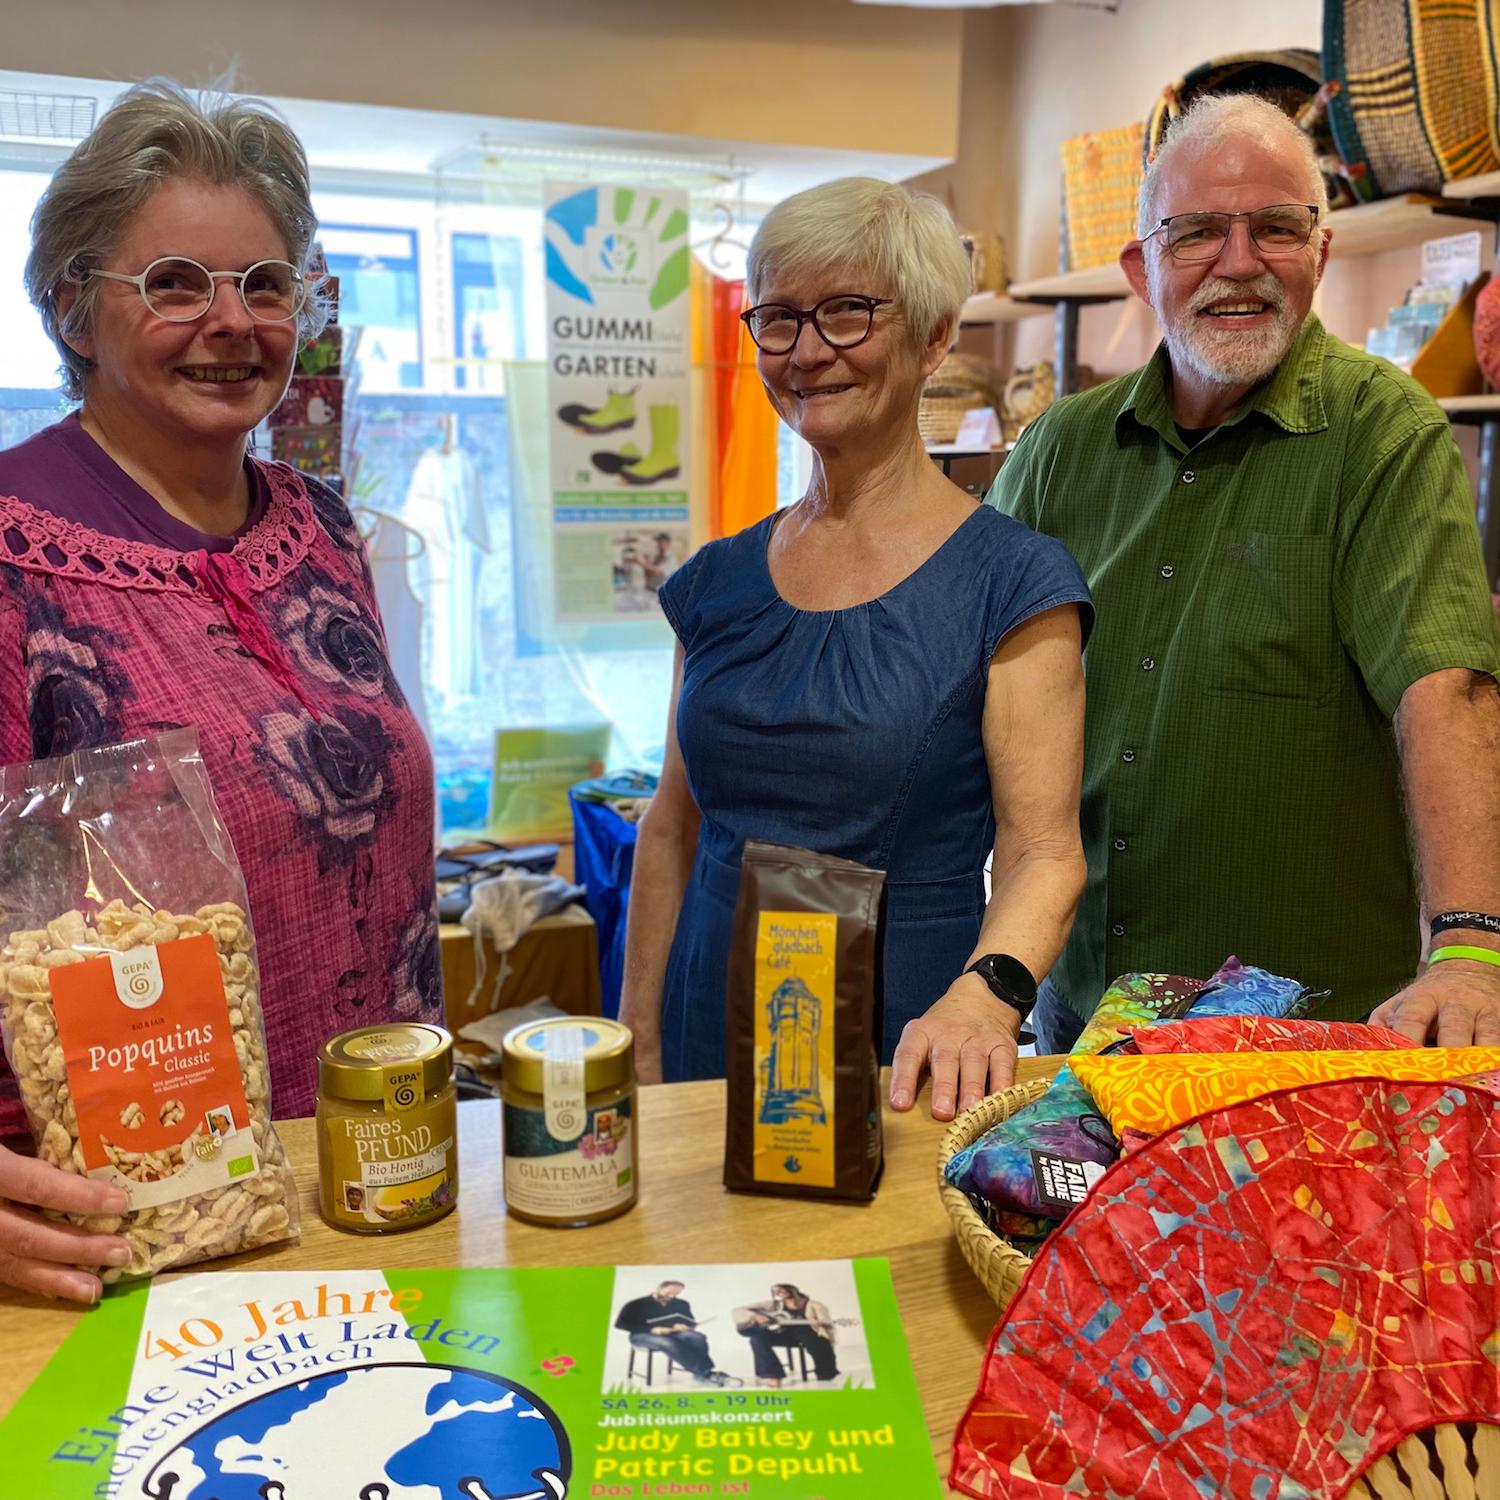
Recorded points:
(886, 671)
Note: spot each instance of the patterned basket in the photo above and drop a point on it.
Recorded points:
(1101, 183)
(996, 1262)
(1412, 92)
(962, 383)
(1290, 77)
(938, 417)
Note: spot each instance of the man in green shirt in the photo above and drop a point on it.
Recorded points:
(1295, 633)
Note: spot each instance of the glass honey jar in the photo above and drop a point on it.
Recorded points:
(568, 1102)
(387, 1124)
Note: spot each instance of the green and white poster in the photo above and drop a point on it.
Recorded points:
(618, 328)
(511, 1384)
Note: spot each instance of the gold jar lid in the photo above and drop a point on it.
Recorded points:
(608, 1052)
(354, 1064)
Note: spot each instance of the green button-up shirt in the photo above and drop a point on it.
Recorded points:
(1263, 602)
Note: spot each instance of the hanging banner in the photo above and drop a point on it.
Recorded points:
(617, 387)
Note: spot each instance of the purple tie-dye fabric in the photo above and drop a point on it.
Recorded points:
(999, 1173)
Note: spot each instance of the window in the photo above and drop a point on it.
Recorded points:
(379, 290)
(488, 310)
(30, 393)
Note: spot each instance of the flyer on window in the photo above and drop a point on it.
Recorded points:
(784, 1381)
(618, 322)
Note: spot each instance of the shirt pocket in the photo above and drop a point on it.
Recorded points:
(1270, 628)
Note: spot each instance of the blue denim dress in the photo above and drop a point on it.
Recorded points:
(856, 732)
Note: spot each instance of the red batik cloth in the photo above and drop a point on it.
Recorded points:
(273, 651)
(1259, 1303)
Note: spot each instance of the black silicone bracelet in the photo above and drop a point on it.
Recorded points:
(1475, 921)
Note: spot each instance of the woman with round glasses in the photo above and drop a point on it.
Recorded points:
(154, 574)
(886, 671)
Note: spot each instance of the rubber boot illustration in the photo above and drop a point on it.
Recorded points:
(663, 461)
(612, 463)
(617, 413)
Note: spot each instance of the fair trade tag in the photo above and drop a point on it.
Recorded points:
(564, 1100)
(1063, 1181)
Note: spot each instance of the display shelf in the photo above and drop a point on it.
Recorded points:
(1471, 408)
(988, 308)
(999, 307)
(1486, 185)
(1389, 224)
(1103, 282)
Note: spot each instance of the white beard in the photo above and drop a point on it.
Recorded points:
(1221, 353)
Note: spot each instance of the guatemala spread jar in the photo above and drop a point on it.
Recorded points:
(568, 1102)
(387, 1127)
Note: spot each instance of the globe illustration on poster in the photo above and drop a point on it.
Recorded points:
(374, 1432)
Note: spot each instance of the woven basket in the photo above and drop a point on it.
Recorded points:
(938, 417)
(1101, 180)
(997, 1263)
(1412, 92)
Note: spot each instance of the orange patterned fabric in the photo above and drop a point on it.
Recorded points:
(1154, 1094)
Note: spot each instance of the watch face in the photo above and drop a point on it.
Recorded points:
(1010, 979)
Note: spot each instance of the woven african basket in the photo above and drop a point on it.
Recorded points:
(996, 1262)
(1290, 77)
(1412, 94)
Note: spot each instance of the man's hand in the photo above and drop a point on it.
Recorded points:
(967, 1039)
(1459, 999)
(41, 1256)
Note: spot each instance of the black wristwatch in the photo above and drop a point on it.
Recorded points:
(1010, 980)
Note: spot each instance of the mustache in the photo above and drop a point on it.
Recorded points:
(1264, 288)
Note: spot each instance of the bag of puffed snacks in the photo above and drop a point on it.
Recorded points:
(130, 998)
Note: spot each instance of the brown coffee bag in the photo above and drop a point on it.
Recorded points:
(800, 1052)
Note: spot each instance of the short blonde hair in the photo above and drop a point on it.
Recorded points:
(1207, 124)
(905, 241)
(154, 133)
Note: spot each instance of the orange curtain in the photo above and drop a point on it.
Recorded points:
(744, 488)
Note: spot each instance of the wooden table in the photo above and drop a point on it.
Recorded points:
(684, 1215)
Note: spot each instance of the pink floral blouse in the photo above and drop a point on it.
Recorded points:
(274, 652)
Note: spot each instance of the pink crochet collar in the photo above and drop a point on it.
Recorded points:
(39, 542)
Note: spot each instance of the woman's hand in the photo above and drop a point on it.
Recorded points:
(40, 1256)
(968, 1041)
(647, 1053)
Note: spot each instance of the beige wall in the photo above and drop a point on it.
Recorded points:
(795, 72)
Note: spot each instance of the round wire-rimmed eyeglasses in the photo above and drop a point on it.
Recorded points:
(180, 290)
(1277, 229)
(841, 322)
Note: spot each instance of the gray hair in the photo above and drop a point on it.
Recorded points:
(1207, 124)
(905, 241)
(154, 133)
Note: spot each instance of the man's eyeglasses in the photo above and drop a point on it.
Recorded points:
(1279, 229)
(180, 290)
(841, 322)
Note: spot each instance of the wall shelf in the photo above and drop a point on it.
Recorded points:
(1471, 409)
(989, 308)
(1487, 185)
(1098, 283)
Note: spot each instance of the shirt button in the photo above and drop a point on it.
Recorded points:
(1188, 476)
(1128, 757)
(1167, 570)
(1117, 931)
(1119, 846)
(1148, 664)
